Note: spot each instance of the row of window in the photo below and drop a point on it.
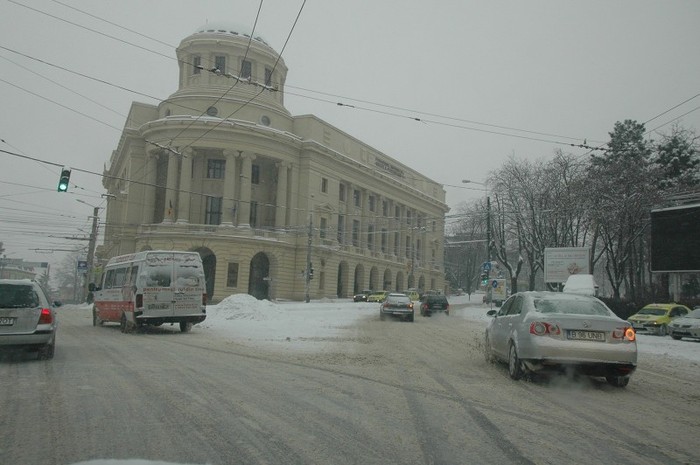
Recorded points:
(246, 70)
(216, 169)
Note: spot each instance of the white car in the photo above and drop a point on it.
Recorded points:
(686, 326)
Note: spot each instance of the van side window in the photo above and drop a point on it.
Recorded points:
(120, 277)
(109, 279)
(158, 276)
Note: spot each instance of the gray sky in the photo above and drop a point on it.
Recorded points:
(489, 79)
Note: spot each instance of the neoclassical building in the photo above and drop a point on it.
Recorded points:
(222, 168)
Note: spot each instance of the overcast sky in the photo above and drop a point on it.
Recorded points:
(488, 79)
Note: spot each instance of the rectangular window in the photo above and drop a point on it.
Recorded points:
(341, 228)
(246, 69)
(408, 216)
(268, 77)
(397, 213)
(232, 275)
(323, 229)
(356, 233)
(370, 237)
(220, 63)
(253, 213)
(196, 64)
(215, 169)
(397, 243)
(321, 280)
(371, 203)
(385, 240)
(385, 208)
(213, 210)
(255, 174)
(341, 192)
(324, 185)
(356, 197)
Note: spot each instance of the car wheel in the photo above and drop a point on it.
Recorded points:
(46, 351)
(96, 319)
(410, 318)
(185, 326)
(663, 330)
(488, 355)
(618, 381)
(124, 325)
(676, 337)
(515, 366)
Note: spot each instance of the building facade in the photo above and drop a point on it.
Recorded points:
(222, 168)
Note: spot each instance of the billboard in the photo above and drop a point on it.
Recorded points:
(562, 262)
(675, 239)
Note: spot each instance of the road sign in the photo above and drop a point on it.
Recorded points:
(486, 266)
(494, 283)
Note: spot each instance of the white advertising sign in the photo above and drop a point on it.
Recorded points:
(562, 262)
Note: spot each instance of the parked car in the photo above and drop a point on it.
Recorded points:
(397, 304)
(361, 296)
(27, 318)
(581, 284)
(412, 294)
(551, 331)
(686, 326)
(431, 303)
(377, 296)
(655, 318)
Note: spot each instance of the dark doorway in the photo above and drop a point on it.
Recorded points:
(258, 283)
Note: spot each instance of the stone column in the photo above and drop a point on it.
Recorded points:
(149, 177)
(244, 206)
(281, 210)
(183, 195)
(171, 188)
(230, 183)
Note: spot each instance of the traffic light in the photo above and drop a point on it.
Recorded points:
(311, 271)
(64, 180)
(484, 278)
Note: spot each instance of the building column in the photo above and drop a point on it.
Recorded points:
(170, 188)
(149, 178)
(244, 202)
(230, 183)
(281, 210)
(183, 195)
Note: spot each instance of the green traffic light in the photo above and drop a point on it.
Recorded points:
(63, 181)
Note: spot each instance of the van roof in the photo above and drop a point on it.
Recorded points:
(142, 255)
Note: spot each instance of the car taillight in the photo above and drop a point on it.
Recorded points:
(204, 298)
(627, 333)
(139, 300)
(45, 318)
(541, 328)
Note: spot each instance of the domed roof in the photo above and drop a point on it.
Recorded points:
(228, 28)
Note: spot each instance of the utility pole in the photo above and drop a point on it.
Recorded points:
(307, 274)
(91, 251)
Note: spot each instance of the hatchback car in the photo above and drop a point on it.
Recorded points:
(551, 331)
(431, 303)
(27, 318)
(361, 296)
(397, 304)
(686, 326)
(377, 296)
(655, 318)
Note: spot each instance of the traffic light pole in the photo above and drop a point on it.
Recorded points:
(91, 250)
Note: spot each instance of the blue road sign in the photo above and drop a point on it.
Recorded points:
(494, 283)
(486, 266)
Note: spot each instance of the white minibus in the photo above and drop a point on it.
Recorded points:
(151, 288)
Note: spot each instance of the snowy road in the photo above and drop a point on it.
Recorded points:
(365, 392)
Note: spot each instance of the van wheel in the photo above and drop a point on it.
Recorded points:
(185, 326)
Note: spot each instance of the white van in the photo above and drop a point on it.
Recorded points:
(151, 288)
(581, 284)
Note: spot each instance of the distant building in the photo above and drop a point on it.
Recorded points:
(17, 268)
(222, 168)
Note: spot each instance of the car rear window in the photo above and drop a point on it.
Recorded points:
(398, 299)
(571, 306)
(14, 296)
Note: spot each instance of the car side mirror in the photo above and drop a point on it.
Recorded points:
(57, 303)
(491, 313)
(91, 287)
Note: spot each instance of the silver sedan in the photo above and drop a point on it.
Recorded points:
(686, 326)
(552, 331)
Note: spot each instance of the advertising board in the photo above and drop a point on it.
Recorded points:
(562, 262)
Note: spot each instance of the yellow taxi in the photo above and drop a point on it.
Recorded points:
(377, 296)
(655, 318)
(412, 294)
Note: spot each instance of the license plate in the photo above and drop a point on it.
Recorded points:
(586, 335)
(158, 306)
(6, 321)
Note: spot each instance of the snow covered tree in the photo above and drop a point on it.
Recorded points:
(678, 159)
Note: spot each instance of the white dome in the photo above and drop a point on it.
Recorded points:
(227, 27)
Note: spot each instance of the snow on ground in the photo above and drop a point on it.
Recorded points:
(313, 325)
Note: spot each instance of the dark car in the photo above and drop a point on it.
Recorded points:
(397, 305)
(431, 303)
(361, 296)
(27, 318)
